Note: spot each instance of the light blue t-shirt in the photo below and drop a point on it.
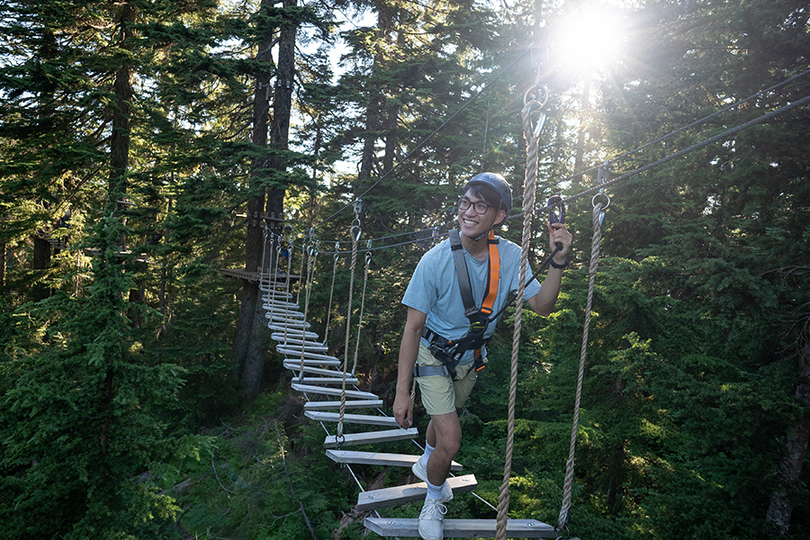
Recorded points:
(434, 289)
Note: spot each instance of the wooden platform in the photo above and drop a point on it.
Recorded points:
(254, 277)
(463, 528)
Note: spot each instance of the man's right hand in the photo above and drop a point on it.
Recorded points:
(403, 410)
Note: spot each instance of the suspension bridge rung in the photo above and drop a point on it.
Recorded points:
(296, 342)
(288, 325)
(394, 496)
(325, 390)
(329, 405)
(293, 333)
(365, 419)
(463, 528)
(324, 380)
(296, 366)
(280, 327)
(311, 363)
(284, 315)
(310, 346)
(377, 458)
(274, 293)
(296, 355)
(372, 437)
(278, 304)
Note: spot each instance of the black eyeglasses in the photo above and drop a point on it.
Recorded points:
(480, 207)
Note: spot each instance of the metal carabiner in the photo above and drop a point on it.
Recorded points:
(603, 176)
(553, 217)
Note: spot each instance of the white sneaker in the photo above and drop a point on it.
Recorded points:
(421, 473)
(431, 520)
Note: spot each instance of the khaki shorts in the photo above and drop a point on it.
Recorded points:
(440, 395)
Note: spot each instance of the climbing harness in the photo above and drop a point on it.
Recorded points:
(450, 352)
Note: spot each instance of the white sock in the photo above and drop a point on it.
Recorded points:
(434, 492)
(426, 456)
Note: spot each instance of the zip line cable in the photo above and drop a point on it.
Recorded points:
(679, 130)
(803, 101)
(612, 161)
(588, 191)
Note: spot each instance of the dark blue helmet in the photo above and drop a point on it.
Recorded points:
(496, 182)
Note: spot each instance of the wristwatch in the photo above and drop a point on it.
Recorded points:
(558, 266)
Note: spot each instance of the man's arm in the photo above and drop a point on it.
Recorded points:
(408, 351)
(543, 302)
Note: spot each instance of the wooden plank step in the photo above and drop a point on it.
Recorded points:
(324, 380)
(462, 528)
(311, 362)
(394, 496)
(296, 355)
(378, 458)
(295, 343)
(296, 366)
(273, 284)
(277, 326)
(309, 346)
(326, 391)
(353, 404)
(372, 437)
(280, 324)
(274, 293)
(280, 305)
(282, 315)
(366, 419)
(294, 333)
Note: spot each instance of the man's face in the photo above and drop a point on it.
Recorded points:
(476, 216)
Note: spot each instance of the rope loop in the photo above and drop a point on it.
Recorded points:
(530, 96)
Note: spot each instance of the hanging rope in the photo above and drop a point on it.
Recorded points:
(313, 254)
(362, 309)
(532, 135)
(331, 294)
(598, 218)
(355, 233)
(301, 269)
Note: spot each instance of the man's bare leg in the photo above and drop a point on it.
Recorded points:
(445, 431)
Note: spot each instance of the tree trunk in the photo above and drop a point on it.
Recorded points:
(3, 256)
(246, 354)
(790, 468)
(42, 260)
(252, 333)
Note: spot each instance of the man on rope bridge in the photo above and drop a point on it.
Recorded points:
(445, 336)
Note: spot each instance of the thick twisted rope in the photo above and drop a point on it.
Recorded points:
(569, 466)
(355, 238)
(529, 185)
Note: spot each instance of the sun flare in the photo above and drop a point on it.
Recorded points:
(590, 37)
